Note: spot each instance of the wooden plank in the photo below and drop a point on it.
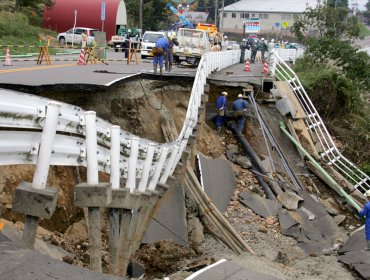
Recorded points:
(287, 92)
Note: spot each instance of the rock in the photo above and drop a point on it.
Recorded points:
(330, 206)
(77, 231)
(310, 215)
(243, 161)
(195, 230)
(262, 229)
(270, 221)
(282, 257)
(289, 200)
(233, 148)
(339, 219)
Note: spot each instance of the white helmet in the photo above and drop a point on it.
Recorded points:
(243, 40)
(262, 39)
(225, 37)
(129, 30)
(272, 40)
(240, 95)
(224, 93)
(367, 193)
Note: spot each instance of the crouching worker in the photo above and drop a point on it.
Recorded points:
(240, 108)
(158, 51)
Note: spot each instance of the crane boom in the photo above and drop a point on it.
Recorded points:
(184, 21)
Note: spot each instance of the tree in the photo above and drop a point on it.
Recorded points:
(326, 20)
(32, 3)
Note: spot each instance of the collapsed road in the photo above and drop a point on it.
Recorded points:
(139, 105)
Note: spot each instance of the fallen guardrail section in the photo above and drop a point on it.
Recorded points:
(320, 145)
(36, 130)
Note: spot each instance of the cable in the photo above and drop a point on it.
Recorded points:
(147, 97)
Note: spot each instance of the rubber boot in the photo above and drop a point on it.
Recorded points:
(155, 68)
(161, 70)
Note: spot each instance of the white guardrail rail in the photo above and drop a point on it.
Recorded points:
(315, 125)
(22, 118)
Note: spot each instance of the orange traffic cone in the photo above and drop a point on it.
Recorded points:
(7, 58)
(247, 67)
(82, 58)
(265, 68)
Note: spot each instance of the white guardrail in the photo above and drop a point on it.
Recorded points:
(22, 119)
(315, 125)
(284, 54)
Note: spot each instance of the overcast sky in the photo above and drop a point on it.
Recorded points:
(361, 4)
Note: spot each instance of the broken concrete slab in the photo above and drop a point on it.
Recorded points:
(359, 261)
(339, 219)
(289, 200)
(313, 236)
(259, 205)
(356, 242)
(229, 270)
(311, 204)
(170, 222)
(17, 263)
(217, 177)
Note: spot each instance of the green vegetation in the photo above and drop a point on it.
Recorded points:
(336, 75)
(364, 31)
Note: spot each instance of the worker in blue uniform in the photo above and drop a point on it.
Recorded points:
(221, 107)
(159, 51)
(366, 212)
(240, 108)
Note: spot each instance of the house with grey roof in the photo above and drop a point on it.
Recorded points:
(271, 14)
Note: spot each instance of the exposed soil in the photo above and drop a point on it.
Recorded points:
(145, 105)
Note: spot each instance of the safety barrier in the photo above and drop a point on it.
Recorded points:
(154, 161)
(330, 153)
(285, 54)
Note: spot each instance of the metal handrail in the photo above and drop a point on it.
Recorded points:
(22, 118)
(315, 125)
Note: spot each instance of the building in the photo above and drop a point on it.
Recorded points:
(61, 16)
(268, 15)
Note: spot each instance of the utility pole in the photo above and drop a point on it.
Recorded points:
(216, 11)
(222, 16)
(141, 14)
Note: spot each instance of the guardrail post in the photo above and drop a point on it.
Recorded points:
(36, 201)
(92, 194)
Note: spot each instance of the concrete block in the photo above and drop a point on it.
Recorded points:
(35, 202)
(285, 107)
(99, 195)
(206, 89)
(120, 198)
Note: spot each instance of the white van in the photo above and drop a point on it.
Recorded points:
(149, 40)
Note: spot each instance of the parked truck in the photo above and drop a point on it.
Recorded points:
(193, 43)
(121, 40)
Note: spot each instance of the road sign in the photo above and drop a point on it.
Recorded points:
(285, 24)
(102, 15)
(277, 24)
(252, 25)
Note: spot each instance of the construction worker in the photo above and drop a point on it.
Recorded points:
(254, 51)
(271, 46)
(169, 55)
(243, 46)
(159, 51)
(240, 108)
(263, 49)
(84, 40)
(221, 107)
(366, 212)
(127, 43)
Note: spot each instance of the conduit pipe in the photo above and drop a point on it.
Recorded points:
(255, 160)
(322, 170)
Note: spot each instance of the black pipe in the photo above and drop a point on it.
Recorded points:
(257, 166)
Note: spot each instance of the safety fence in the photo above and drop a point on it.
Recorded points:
(289, 55)
(24, 116)
(315, 125)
